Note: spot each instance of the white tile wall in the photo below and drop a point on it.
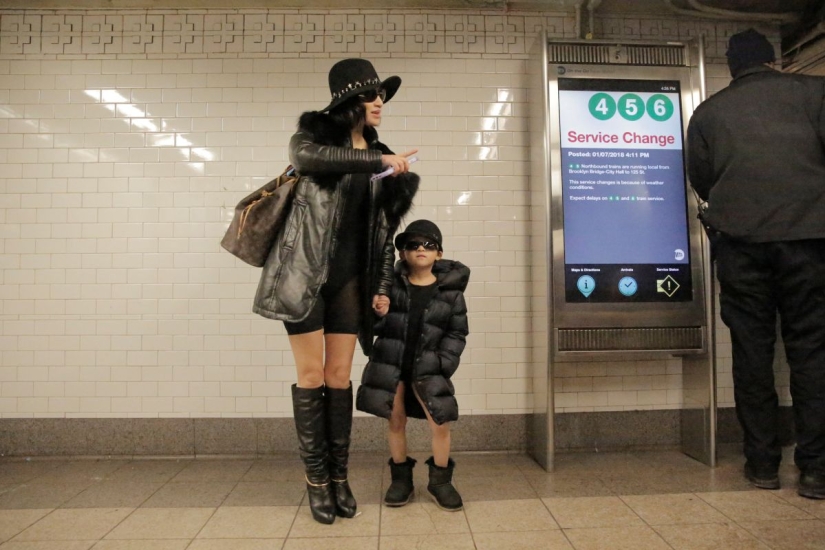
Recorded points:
(126, 138)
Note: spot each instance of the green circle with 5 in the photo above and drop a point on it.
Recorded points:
(659, 107)
(631, 107)
(602, 106)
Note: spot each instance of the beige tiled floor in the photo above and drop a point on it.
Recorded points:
(593, 501)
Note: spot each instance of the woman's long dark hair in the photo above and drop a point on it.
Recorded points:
(349, 114)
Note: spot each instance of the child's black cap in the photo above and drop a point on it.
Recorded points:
(425, 228)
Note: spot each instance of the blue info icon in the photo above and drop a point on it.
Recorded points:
(586, 284)
(628, 286)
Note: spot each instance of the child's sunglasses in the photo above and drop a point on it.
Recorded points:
(368, 96)
(413, 245)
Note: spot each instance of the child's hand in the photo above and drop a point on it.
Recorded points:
(380, 304)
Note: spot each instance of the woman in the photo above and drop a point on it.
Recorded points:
(331, 267)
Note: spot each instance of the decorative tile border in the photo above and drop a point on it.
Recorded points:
(232, 32)
(299, 33)
(305, 33)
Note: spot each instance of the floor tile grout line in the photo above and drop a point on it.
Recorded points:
(732, 520)
(215, 511)
(136, 508)
(63, 507)
(650, 524)
(30, 525)
(60, 507)
(642, 519)
(127, 516)
(754, 535)
(765, 542)
(381, 507)
(205, 523)
(304, 496)
(563, 533)
(784, 500)
(162, 485)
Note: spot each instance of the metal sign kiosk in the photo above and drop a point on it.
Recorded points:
(620, 264)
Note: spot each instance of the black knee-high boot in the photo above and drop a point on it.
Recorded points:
(310, 423)
(339, 429)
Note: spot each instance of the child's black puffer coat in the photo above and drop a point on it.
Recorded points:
(439, 348)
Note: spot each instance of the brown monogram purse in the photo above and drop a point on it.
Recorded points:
(258, 219)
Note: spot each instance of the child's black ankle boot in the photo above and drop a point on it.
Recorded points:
(441, 487)
(402, 488)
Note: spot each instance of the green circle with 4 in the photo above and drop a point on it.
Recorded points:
(659, 107)
(602, 106)
(631, 107)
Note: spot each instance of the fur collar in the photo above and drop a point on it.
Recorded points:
(396, 196)
(321, 127)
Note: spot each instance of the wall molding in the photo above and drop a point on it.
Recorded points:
(125, 437)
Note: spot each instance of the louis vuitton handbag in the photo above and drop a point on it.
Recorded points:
(258, 219)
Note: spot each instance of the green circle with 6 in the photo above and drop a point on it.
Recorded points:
(602, 106)
(659, 107)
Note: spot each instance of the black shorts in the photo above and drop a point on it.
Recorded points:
(337, 310)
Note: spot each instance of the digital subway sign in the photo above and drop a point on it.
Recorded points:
(625, 204)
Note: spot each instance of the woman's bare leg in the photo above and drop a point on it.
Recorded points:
(310, 423)
(323, 359)
(340, 349)
(441, 437)
(308, 351)
(397, 435)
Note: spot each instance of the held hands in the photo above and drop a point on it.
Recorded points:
(399, 163)
(380, 304)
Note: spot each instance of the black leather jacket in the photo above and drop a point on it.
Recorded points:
(298, 264)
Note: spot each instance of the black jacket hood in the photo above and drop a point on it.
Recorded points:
(450, 274)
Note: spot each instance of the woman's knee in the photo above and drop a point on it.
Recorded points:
(311, 378)
(337, 377)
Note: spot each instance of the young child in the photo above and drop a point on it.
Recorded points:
(421, 335)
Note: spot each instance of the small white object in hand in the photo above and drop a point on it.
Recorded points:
(389, 171)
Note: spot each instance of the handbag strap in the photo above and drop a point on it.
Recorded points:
(288, 173)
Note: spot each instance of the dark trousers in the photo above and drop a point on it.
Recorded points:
(757, 280)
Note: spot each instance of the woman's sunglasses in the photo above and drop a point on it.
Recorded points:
(413, 245)
(369, 96)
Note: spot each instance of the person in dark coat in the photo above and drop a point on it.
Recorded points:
(756, 154)
(331, 267)
(419, 345)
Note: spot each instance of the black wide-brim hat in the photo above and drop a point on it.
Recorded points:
(350, 77)
(423, 228)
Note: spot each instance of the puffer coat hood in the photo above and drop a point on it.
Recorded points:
(442, 341)
(298, 264)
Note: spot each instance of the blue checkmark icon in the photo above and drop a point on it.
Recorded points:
(628, 286)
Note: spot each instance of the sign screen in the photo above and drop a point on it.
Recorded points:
(625, 204)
